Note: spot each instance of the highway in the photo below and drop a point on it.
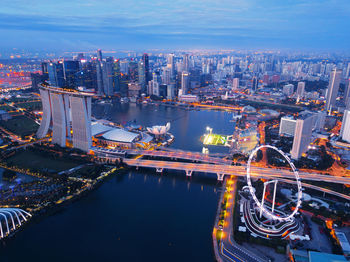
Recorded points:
(229, 249)
(221, 170)
(229, 170)
(193, 156)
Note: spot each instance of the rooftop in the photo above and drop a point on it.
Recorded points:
(120, 135)
(325, 257)
(97, 128)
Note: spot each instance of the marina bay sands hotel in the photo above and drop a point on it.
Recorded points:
(68, 111)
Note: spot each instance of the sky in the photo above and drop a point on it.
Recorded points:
(78, 25)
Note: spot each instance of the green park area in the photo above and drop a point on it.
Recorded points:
(39, 161)
(32, 105)
(20, 125)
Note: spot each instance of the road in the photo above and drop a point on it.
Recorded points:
(229, 170)
(229, 249)
(193, 156)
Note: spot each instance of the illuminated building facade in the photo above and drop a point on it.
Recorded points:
(68, 112)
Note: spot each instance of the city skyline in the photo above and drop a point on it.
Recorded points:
(179, 24)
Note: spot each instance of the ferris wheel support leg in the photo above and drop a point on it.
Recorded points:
(274, 196)
(262, 200)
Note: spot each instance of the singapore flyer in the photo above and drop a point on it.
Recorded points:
(270, 213)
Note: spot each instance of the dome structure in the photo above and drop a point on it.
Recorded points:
(248, 110)
(159, 130)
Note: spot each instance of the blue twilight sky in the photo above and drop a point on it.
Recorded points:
(134, 24)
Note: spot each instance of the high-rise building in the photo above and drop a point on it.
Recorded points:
(288, 90)
(87, 76)
(171, 65)
(333, 88)
(321, 119)
(346, 98)
(142, 76)
(235, 83)
(301, 90)
(145, 60)
(99, 54)
(186, 63)
(166, 76)
(345, 126)
(107, 76)
(67, 111)
(170, 91)
(255, 83)
(55, 73)
(44, 71)
(153, 87)
(185, 82)
(133, 71)
(302, 135)
(99, 78)
(116, 76)
(347, 73)
(287, 125)
(70, 68)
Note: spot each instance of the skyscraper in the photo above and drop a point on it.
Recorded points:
(99, 54)
(302, 135)
(346, 98)
(171, 65)
(185, 82)
(99, 77)
(333, 88)
(44, 71)
(345, 126)
(301, 89)
(185, 64)
(70, 68)
(288, 89)
(142, 76)
(68, 111)
(107, 76)
(116, 76)
(255, 83)
(235, 83)
(55, 73)
(145, 60)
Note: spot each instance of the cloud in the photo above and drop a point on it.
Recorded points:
(287, 22)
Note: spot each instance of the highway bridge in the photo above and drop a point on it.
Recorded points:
(222, 170)
(226, 170)
(177, 154)
(220, 167)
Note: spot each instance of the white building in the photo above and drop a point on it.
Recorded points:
(302, 135)
(288, 90)
(345, 126)
(301, 90)
(333, 88)
(235, 83)
(287, 125)
(68, 111)
(188, 98)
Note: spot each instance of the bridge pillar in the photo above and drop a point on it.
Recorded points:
(189, 172)
(159, 170)
(220, 176)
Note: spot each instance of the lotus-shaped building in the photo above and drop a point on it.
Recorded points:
(159, 130)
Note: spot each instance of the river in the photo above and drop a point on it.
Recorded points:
(139, 215)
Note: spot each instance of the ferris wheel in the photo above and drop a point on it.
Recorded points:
(260, 204)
